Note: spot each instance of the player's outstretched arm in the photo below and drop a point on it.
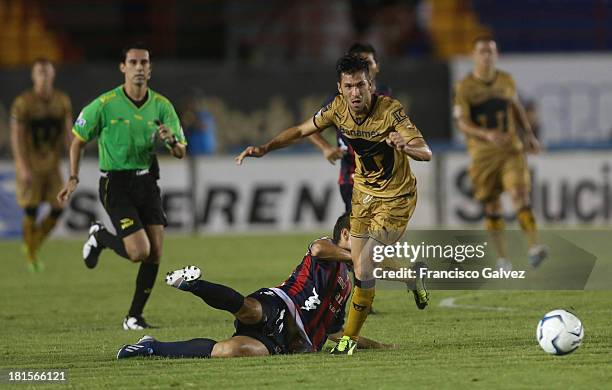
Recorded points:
(283, 139)
(416, 148)
(324, 249)
(330, 152)
(76, 151)
(363, 343)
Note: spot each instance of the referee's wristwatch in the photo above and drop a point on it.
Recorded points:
(75, 178)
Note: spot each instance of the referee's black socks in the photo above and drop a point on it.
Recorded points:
(108, 240)
(144, 284)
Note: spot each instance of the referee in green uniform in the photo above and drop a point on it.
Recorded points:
(127, 122)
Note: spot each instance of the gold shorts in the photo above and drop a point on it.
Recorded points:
(43, 187)
(492, 177)
(383, 219)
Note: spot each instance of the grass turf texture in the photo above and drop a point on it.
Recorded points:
(69, 317)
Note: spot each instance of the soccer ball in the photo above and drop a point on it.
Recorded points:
(559, 332)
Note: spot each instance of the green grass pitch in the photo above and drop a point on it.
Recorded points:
(69, 317)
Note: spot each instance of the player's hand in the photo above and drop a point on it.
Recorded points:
(532, 145)
(333, 154)
(165, 133)
(251, 151)
(395, 140)
(498, 138)
(68, 189)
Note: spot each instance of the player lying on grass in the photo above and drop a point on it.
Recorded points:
(297, 316)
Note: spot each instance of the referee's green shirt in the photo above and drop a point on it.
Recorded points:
(126, 134)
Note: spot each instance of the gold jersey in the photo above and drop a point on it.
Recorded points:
(380, 170)
(488, 105)
(45, 124)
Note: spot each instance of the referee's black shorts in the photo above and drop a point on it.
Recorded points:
(132, 199)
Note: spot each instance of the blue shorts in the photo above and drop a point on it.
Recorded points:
(272, 330)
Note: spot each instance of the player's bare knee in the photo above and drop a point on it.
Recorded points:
(221, 349)
(139, 253)
(250, 312)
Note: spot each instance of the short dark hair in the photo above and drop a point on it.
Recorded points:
(42, 61)
(343, 222)
(351, 64)
(483, 38)
(358, 47)
(134, 45)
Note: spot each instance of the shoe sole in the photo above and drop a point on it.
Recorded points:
(92, 262)
(188, 274)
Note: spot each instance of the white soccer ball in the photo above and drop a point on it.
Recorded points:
(559, 332)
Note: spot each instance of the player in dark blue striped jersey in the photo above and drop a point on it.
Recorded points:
(297, 316)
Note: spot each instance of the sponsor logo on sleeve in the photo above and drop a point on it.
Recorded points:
(80, 122)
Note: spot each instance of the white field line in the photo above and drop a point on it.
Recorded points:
(452, 304)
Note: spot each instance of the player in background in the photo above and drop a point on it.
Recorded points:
(344, 152)
(297, 316)
(127, 121)
(384, 193)
(486, 110)
(41, 118)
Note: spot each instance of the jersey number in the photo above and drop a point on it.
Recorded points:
(45, 131)
(491, 114)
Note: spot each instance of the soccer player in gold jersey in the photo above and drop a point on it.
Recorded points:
(384, 194)
(486, 110)
(41, 119)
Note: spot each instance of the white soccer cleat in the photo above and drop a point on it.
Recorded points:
(537, 254)
(135, 323)
(182, 278)
(92, 248)
(504, 264)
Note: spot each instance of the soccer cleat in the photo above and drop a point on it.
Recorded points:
(537, 254)
(36, 266)
(182, 278)
(345, 346)
(92, 248)
(142, 348)
(504, 264)
(135, 323)
(420, 293)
